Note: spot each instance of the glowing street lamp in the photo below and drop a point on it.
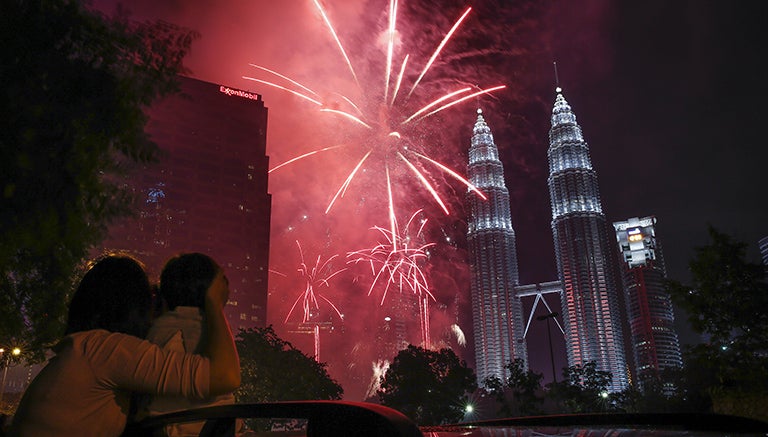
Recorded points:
(6, 361)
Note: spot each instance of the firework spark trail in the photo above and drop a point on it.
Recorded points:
(395, 261)
(460, 338)
(303, 96)
(435, 103)
(348, 116)
(343, 188)
(465, 98)
(286, 78)
(278, 273)
(390, 45)
(379, 368)
(425, 182)
(454, 174)
(439, 49)
(399, 80)
(302, 157)
(319, 275)
(336, 38)
(377, 123)
(392, 217)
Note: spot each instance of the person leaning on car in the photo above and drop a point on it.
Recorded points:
(85, 389)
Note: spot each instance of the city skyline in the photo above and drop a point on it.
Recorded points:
(629, 104)
(696, 69)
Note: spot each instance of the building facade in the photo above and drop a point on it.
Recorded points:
(650, 316)
(584, 253)
(207, 193)
(497, 314)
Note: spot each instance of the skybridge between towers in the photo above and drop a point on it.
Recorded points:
(539, 290)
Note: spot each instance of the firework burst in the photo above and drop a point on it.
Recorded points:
(315, 277)
(387, 120)
(379, 368)
(397, 262)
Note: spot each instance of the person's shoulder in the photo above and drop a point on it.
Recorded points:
(96, 342)
(185, 312)
(180, 314)
(101, 337)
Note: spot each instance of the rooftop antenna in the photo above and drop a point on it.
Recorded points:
(557, 80)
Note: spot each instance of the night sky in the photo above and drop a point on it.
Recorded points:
(667, 95)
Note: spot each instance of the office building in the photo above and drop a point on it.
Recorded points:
(584, 253)
(496, 312)
(207, 193)
(650, 316)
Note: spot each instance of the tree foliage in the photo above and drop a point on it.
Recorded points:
(273, 370)
(584, 389)
(430, 387)
(726, 301)
(74, 86)
(728, 295)
(521, 394)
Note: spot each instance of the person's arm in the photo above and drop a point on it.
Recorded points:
(219, 345)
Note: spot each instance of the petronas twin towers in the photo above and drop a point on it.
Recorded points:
(589, 293)
(497, 315)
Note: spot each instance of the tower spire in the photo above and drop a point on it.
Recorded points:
(557, 79)
(590, 299)
(497, 313)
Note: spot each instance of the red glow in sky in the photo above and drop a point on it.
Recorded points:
(665, 94)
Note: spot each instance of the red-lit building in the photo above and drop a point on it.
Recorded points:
(208, 192)
(650, 315)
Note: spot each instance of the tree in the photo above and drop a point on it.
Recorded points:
(524, 384)
(519, 394)
(663, 392)
(726, 301)
(273, 370)
(727, 297)
(430, 387)
(74, 87)
(584, 389)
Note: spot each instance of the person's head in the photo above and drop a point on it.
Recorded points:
(114, 295)
(185, 280)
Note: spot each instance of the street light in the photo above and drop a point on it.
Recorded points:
(547, 317)
(6, 360)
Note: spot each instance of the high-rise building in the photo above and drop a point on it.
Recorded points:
(497, 314)
(584, 253)
(650, 316)
(208, 192)
(763, 244)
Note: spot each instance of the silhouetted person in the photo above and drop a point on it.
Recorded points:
(183, 284)
(85, 389)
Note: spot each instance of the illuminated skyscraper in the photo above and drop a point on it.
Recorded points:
(763, 244)
(586, 267)
(496, 312)
(208, 192)
(650, 315)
